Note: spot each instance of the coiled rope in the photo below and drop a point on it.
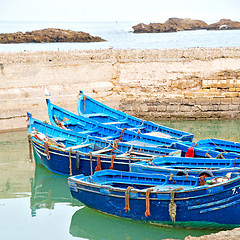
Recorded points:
(98, 167)
(127, 193)
(172, 205)
(147, 212)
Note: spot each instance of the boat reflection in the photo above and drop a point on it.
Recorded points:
(47, 189)
(90, 224)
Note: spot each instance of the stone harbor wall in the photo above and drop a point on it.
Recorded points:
(193, 83)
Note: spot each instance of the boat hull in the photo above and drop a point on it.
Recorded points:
(60, 162)
(206, 206)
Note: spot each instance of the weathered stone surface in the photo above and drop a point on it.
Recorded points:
(224, 24)
(171, 25)
(222, 235)
(134, 81)
(48, 35)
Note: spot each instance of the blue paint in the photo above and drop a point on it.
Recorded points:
(221, 212)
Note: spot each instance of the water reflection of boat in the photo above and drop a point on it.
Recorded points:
(90, 224)
(48, 188)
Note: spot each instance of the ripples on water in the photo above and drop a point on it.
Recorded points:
(37, 204)
(119, 35)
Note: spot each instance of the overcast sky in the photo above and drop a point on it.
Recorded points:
(117, 10)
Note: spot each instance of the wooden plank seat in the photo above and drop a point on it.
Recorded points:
(102, 151)
(79, 146)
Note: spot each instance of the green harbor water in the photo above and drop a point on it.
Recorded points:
(37, 204)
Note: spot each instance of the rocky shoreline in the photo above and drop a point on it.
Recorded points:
(182, 24)
(48, 35)
(192, 83)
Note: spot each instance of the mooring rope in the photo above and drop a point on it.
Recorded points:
(30, 146)
(112, 161)
(70, 161)
(127, 193)
(172, 205)
(98, 167)
(46, 146)
(147, 212)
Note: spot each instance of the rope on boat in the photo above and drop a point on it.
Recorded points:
(84, 104)
(112, 161)
(115, 145)
(220, 156)
(98, 167)
(70, 161)
(208, 155)
(147, 212)
(129, 163)
(172, 205)
(46, 146)
(30, 146)
(171, 178)
(202, 180)
(90, 155)
(138, 132)
(127, 193)
(121, 134)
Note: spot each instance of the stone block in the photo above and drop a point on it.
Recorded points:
(188, 94)
(185, 108)
(236, 101)
(223, 107)
(226, 101)
(230, 94)
(172, 108)
(234, 107)
(215, 101)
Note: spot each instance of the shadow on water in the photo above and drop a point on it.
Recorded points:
(90, 224)
(47, 189)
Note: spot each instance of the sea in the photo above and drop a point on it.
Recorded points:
(119, 35)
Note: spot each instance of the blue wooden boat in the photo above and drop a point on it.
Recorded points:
(67, 120)
(184, 166)
(202, 152)
(160, 199)
(69, 153)
(59, 116)
(219, 145)
(99, 112)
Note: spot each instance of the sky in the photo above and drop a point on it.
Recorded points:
(118, 10)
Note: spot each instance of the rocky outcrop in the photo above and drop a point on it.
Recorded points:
(224, 24)
(171, 25)
(48, 35)
(182, 24)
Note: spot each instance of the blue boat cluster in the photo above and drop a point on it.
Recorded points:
(137, 169)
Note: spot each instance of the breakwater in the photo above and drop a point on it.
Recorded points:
(193, 83)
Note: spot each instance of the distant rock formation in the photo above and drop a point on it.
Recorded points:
(171, 25)
(224, 24)
(48, 35)
(182, 24)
